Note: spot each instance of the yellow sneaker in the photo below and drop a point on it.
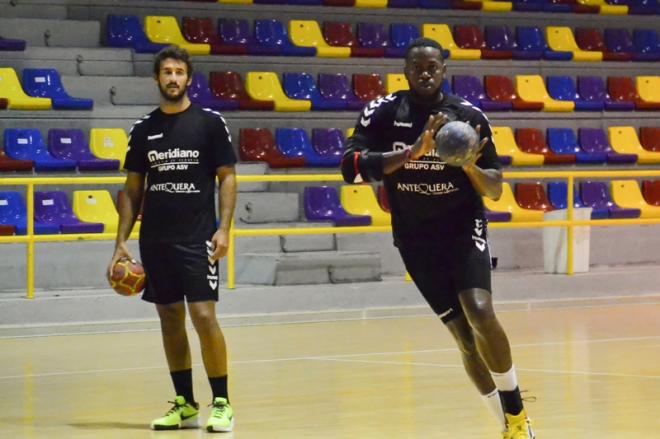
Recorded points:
(519, 425)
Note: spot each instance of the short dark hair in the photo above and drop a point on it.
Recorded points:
(424, 42)
(173, 52)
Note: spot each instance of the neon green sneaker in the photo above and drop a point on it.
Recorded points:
(222, 416)
(182, 415)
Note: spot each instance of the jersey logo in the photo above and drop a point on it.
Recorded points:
(365, 122)
(403, 124)
(371, 107)
(479, 242)
(155, 136)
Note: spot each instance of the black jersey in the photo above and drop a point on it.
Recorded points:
(179, 154)
(425, 195)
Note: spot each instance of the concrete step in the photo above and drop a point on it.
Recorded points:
(290, 243)
(308, 268)
(252, 169)
(53, 32)
(270, 207)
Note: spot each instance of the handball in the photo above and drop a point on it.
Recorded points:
(457, 143)
(127, 277)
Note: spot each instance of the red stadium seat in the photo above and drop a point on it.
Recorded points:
(368, 87)
(649, 137)
(500, 89)
(258, 144)
(532, 196)
(200, 30)
(6, 230)
(9, 164)
(229, 86)
(341, 35)
(471, 37)
(532, 140)
(622, 89)
(651, 192)
(590, 39)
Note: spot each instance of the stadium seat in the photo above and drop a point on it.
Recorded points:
(273, 34)
(562, 88)
(236, 2)
(46, 83)
(562, 141)
(619, 42)
(322, 204)
(258, 145)
(236, 33)
(532, 141)
(561, 39)
(361, 200)
(496, 6)
(624, 140)
(70, 144)
(500, 43)
(28, 144)
(11, 45)
(395, 82)
(200, 94)
(651, 192)
(559, 5)
(328, 143)
(644, 7)
(306, 33)
(368, 87)
(401, 35)
(471, 89)
(532, 196)
(11, 90)
(126, 31)
(558, 195)
(294, 142)
(383, 201)
(109, 144)
(622, 89)
(96, 207)
(302, 86)
(53, 208)
(592, 89)
(13, 212)
(469, 36)
(627, 195)
(371, 40)
(442, 35)
(508, 203)
(228, 86)
(506, 146)
(605, 8)
(339, 34)
(532, 45)
(265, 86)
(345, 3)
(497, 217)
(336, 88)
(649, 137)
(201, 31)
(594, 141)
(647, 45)
(370, 3)
(8, 164)
(402, 3)
(648, 89)
(499, 89)
(590, 39)
(531, 88)
(596, 195)
(528, 5)
(466, 5)
(165, 30)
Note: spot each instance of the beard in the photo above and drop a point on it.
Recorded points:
(173, 98)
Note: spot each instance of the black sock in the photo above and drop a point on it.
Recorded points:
(512, 401)
(183, 386)
(219, 387)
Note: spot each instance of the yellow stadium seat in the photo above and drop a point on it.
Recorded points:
(96, 207)
(624, 140)
(396, 82)
(561, 39)
(236, 2)
(361, 200)
(349, 132)
(493, 6)
(505, 144)
(531, 88)
(165, 30)
(109, 143)
(626, 194)
(265, 86)
(605, 8)
(307, 33)
(10, 89)
(507, 203)
(648, 88)
(442, 34)
(370, 3)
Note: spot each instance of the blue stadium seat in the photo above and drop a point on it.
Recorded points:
(46, 83)
(294, 142)
(28, 144)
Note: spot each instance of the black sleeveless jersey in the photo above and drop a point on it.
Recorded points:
(179, 154)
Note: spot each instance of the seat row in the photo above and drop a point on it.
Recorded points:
(11, 44)
(341, 40)
(609, 7)
(41, 89)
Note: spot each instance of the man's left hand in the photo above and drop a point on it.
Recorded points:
(220, 242)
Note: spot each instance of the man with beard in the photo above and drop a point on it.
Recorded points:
(180, 150)
(438, 219)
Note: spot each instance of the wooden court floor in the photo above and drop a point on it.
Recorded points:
(595, 373)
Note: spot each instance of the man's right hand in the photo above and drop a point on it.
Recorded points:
(426, 141)
(121, 251)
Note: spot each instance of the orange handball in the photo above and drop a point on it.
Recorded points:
(127, 277)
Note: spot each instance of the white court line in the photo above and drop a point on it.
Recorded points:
(339, 357)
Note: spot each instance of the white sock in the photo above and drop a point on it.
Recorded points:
(492, 401)
(507, 381)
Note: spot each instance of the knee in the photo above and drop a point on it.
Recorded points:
(172, 323)
(481, 318)
(204, 321)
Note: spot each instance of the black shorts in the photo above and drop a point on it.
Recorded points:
(179, 271)
(459, 261)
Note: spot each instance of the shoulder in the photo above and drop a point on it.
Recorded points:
(380, 108)
(140, 125)
(466, 111)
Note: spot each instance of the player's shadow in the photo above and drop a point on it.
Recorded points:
(109, 425)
